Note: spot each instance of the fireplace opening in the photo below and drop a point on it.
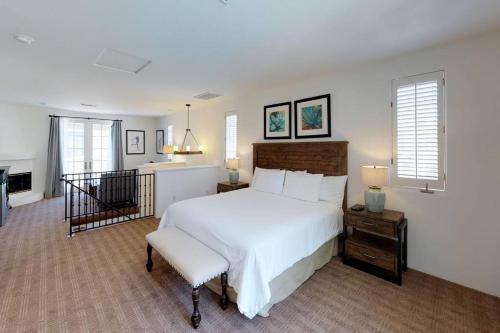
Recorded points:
(19, 182)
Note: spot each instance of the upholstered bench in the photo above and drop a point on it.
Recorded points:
(194, 261)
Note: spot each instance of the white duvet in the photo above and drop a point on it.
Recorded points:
(260, 234)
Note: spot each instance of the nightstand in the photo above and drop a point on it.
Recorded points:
(376, 243)
(227, 186)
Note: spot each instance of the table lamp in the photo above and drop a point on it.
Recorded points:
(233, 164)
(376, 178)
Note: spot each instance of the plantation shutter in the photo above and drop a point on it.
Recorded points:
(419, 131)
(231, 135)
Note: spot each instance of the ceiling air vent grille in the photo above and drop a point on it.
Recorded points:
(207, 95)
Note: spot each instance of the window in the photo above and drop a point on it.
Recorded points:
(419, 131)
(73, 143)
(101, 147)
(86, 146)
(170, 140)
(231, 135)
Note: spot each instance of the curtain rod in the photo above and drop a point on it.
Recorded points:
(54, 116)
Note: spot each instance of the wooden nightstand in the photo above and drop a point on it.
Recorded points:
(376, 243)
(227, 186)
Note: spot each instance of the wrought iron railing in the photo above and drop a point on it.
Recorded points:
(100, 199)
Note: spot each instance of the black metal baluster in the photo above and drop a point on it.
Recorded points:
(71, 211)
(145, 197)
(154, 188)
(149, 195)
(65, 198)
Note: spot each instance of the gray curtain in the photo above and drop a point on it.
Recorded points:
(116, 146)
(53, 186)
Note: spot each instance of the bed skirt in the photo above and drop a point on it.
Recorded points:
(287, 282)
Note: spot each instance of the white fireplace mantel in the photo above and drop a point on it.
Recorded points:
(21, 162)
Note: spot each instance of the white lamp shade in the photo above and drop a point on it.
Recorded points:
(233, 163)
(168, 149)
(376, 176)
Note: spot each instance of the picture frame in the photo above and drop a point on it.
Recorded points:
(160, 141)
(136, 144)
(278, 121)
(313, 117)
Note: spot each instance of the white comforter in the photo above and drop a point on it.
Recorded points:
(260, 234)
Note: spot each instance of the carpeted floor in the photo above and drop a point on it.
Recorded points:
(97, 282)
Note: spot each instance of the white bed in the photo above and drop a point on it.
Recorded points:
(260, 234)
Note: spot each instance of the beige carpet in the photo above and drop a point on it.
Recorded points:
(97, 282)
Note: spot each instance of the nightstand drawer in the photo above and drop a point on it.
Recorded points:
(372, 225)
(372, 256)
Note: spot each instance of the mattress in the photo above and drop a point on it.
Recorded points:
(260, 234)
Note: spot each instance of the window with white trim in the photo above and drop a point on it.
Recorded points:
(170, 140)
(231, 135)
(419, 131)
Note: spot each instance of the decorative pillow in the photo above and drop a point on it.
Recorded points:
(268, 180)
(332, 189)
(302, 186)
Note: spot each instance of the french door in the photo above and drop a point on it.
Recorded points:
(86, 146)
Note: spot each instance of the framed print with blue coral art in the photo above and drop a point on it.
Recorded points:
(312, 117)
(278, 121)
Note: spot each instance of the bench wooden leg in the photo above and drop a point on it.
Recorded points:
(196, 317)
(149, 264)
(223, 297)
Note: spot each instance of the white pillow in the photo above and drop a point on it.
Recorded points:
(303, 186)
(268, 180)
(332, 189)
(257, 171)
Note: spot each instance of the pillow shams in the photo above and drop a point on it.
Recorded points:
(268, 180)
(332, 189)
(302, 186)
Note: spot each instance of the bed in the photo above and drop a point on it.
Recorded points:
(273, 242)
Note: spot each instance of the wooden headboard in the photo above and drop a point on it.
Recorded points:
(327, 157)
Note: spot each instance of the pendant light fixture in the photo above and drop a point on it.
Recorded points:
(185, 148)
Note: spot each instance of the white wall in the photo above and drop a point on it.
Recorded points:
(454, 235)
(25, 129)
(181, 183)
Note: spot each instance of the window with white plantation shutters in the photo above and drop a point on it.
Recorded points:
(418, 131)
(170, 140)
(231, 135)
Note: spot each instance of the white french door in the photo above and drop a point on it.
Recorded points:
(86, 145)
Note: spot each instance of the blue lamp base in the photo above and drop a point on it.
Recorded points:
(234, 176)
(375, 200)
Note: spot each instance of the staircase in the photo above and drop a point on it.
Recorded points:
(100, 199)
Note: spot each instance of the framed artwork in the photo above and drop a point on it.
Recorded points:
(278, 121)
(312, 117)
(160, 141)
(136, 144)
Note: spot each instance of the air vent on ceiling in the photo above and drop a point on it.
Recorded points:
(120, 61)
(88, 105)
(207, 95)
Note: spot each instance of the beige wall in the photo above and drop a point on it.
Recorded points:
(454, 235)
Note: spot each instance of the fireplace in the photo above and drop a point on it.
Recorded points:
(19, 182)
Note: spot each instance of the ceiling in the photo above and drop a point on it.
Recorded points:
(203, 45)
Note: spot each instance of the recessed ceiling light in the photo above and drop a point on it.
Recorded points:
(25, 39)
(88, 105)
